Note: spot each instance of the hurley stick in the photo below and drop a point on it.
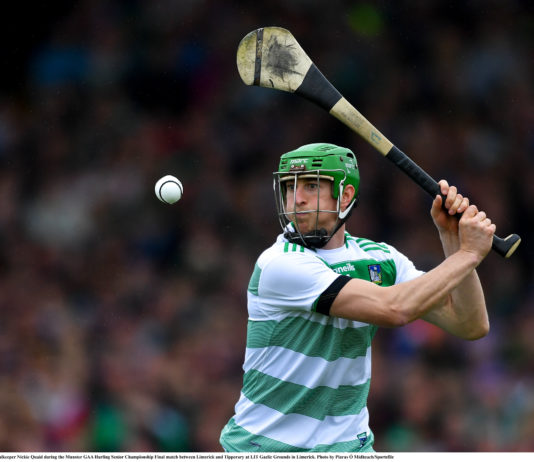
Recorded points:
(271, 57)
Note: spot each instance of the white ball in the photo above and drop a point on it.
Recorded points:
(169, 189)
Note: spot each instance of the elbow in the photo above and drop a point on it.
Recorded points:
(397, 316)
(398, 309)
(479, 332)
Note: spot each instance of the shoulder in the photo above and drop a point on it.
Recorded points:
(403, 267)
(288, 277)
(285, 251)
(292, 267)
(375, 249)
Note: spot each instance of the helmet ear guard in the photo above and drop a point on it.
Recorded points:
(345, 214)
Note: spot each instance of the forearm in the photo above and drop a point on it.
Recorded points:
(464, 312)
(433, 289)
(402, 303)
(469, 307)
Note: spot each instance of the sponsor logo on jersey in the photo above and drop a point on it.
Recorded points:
(362, 437)
(345, 268)
(375, 274)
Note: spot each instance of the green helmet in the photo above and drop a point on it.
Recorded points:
(319, 161)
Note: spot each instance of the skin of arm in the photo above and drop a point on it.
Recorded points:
(449, 295)
(463, 312)
(403, 303)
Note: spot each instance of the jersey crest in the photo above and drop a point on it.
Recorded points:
(375, 274)
(362, 437)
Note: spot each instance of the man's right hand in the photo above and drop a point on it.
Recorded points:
(476, 232)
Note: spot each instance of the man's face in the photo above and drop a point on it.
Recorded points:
(310, 195)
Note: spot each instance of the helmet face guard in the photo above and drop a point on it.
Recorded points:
(315, 162)
(288, 213)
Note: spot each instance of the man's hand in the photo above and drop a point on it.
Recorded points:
(476, 232)
(455, 203)
(472, 233)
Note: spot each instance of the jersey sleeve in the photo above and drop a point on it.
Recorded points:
(406, 270)
(294, 281)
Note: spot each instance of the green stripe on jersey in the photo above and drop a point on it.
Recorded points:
(254, 280)
(236, 438)
(291, 398)
(366, 244)
(288, 247)
(311, 338)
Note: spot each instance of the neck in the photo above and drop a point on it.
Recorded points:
(337, 240)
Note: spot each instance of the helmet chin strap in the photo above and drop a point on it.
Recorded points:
(313, 240)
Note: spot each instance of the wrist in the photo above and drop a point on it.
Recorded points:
(471, 258)
(450, 241)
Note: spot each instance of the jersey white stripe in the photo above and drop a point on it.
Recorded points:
(310, 372)
(299, 430)
(259, 311)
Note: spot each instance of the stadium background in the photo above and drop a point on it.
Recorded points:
(122, 320)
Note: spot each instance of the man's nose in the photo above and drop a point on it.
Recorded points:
(300, 196)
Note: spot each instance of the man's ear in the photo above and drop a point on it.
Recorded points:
(347, 196)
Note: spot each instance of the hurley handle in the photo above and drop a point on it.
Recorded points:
(504, 247)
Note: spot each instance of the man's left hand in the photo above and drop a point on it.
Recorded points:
(444, 218)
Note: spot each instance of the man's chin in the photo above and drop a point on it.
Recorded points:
(304, 228)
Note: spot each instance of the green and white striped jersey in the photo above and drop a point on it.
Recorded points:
(307, 375)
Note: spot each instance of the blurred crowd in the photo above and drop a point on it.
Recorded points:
(123, 320)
